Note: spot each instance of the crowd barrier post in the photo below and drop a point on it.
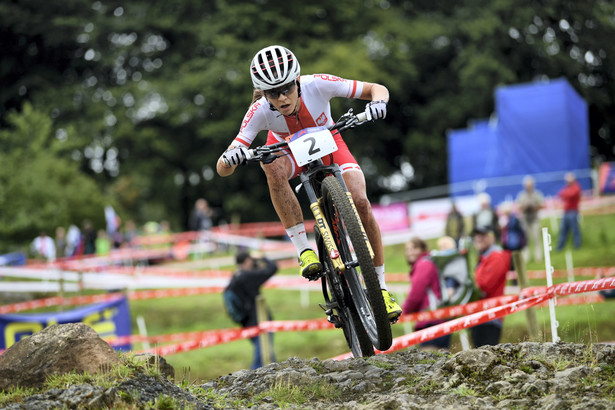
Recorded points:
(532, 324)
(61, 290)
(546, 241)
(569, 266)
(143, 332)
(464, 339)
(265, 340)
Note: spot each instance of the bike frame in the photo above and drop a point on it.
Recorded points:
(309, 180)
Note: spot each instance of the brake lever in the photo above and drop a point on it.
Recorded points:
(268, 158)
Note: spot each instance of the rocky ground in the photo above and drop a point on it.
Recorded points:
(507, 376)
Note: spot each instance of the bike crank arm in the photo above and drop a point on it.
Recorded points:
(327, 238)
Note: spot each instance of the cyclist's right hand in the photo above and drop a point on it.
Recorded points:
(235, 156)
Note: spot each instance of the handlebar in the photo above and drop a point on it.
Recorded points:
(265, 153)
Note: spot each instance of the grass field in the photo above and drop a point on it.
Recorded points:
(580, 323)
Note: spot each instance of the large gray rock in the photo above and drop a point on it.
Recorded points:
(57, 349)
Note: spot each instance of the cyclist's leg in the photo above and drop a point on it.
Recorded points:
(282, 196)
(288, 209)
(355, 181)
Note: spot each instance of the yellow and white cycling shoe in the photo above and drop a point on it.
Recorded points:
(393, 308)
(311, 267)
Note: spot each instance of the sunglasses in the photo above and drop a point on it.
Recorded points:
(284, 90)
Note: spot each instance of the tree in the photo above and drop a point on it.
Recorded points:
(40, 190)
(145, 95)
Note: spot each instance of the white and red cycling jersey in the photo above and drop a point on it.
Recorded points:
(316, 92)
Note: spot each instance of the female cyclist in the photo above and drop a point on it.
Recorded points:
(285, 102)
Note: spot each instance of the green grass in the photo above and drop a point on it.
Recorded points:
(127, 367)
(582, 323)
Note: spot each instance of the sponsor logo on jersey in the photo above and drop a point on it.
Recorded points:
(327, 77)
(249, 115)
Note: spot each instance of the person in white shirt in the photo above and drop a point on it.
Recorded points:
(44, 247)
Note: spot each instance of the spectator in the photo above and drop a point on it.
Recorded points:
(606, 293)
(447, 245)
(424, 280)
(571, 197)
(102, 243)
(246, 282)
(201, 216)
(486, 215)
(529, 202)
(201, 221)
(43, 247)
(455, 226)
(493, 265)
(88, 238)
(512, 233)
(73, 240)
(61, 242)
(130, 232)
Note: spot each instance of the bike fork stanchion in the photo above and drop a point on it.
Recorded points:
(546, 241)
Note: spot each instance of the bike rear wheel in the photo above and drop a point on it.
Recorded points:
(339, 300)
(360, 274)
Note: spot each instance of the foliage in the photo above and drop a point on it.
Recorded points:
(40, 188)
(285, 393)
(15, 394)
(143, 96)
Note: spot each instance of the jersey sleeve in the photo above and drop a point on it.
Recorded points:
(253, 122)
(332, 86)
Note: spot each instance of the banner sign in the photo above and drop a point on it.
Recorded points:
(393, 217)
(13, 259)
(606, 178)
(108, 319)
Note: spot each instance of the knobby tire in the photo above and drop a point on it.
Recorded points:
(363, 280)
(336, 292)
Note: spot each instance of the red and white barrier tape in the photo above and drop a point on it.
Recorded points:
(83, 300)
(481, 312)
(210, 339)
(476, 313)
(455, 325)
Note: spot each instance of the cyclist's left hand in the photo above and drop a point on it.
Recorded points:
(376, 110)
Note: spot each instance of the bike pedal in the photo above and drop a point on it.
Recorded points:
(328, 310)
(335, 320)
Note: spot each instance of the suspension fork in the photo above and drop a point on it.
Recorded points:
(323, 225)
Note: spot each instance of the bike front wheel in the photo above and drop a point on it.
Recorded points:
(339, 301)
(360, 274)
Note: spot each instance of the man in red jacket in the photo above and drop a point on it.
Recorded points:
(490, 275)
(571, 197)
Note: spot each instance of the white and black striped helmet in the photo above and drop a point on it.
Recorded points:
(272, 67)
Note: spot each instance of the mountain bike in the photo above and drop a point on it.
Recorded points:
(352, 294)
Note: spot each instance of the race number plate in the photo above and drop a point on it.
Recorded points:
(310, 144)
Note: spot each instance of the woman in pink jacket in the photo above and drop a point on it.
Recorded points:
(424, 279)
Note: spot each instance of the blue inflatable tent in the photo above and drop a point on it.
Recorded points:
(542, 129)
